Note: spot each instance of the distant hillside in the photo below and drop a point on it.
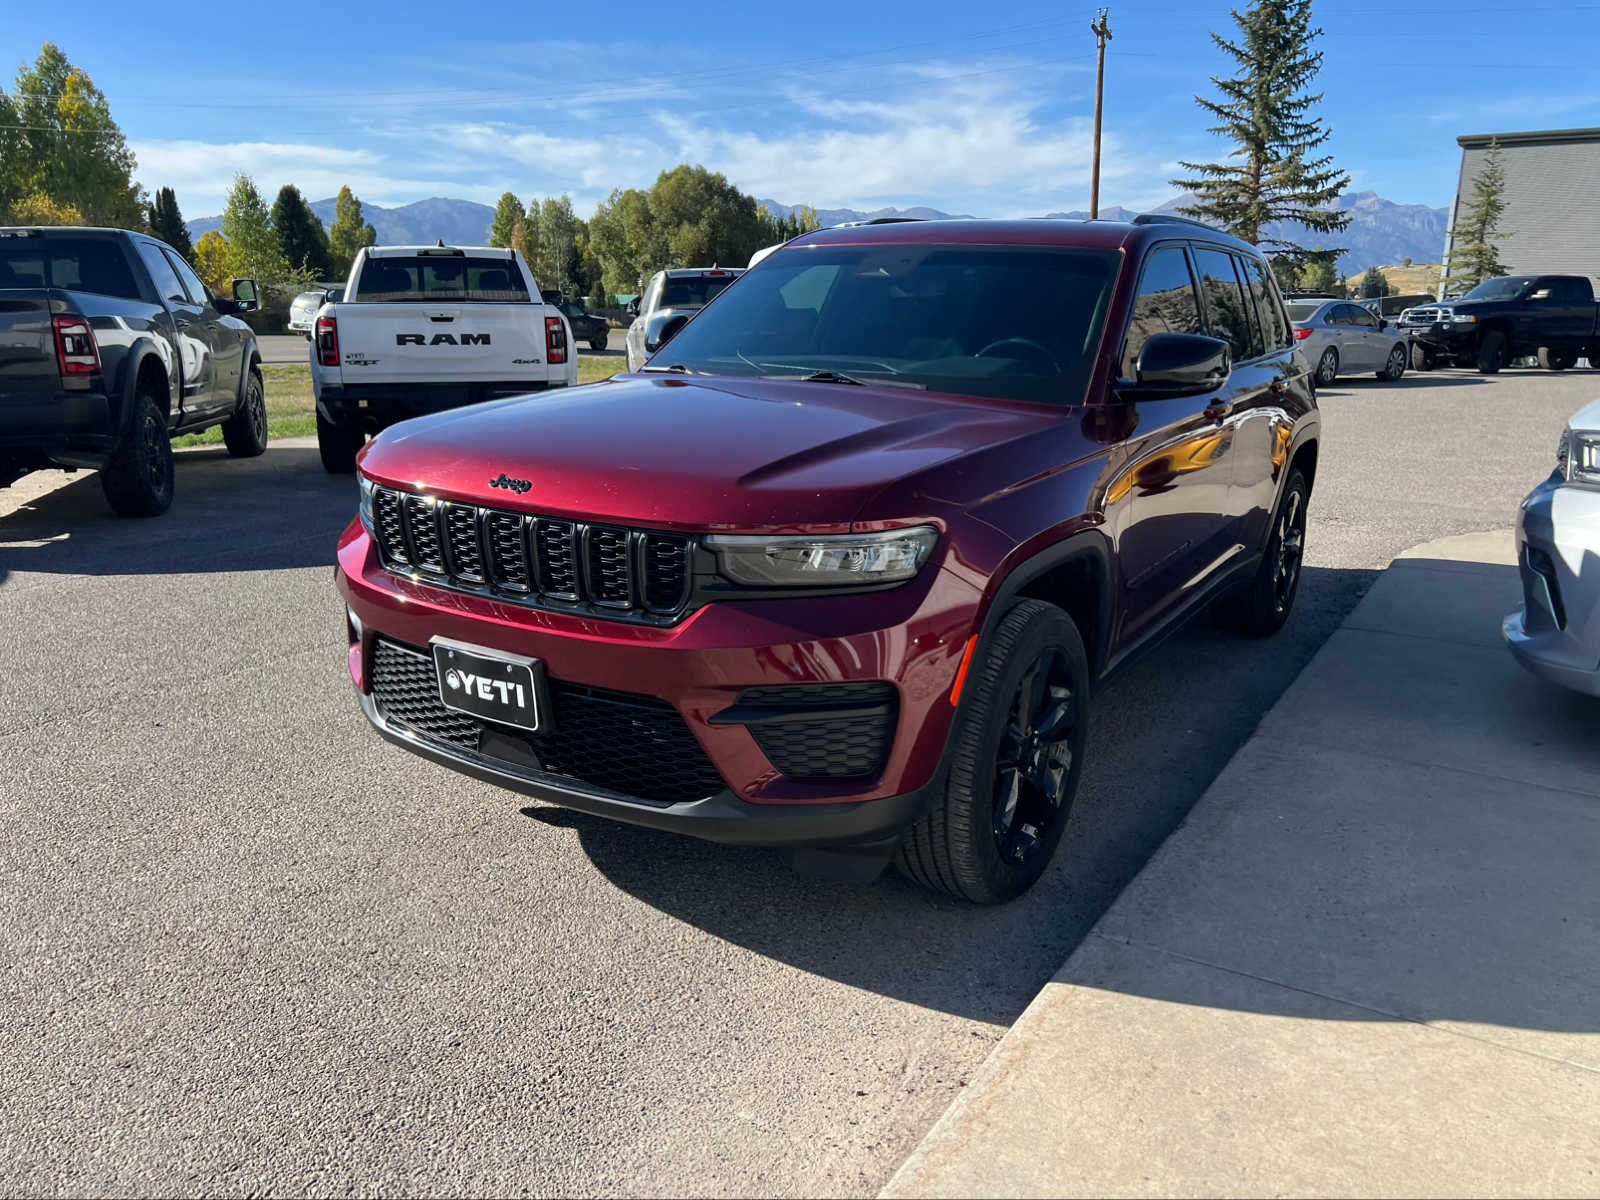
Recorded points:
(1380, 233)
(838, 216)
(457, 222)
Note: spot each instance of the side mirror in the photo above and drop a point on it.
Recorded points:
(334, 296)
(1383, 323)
(665, 332)
(1180, 364)
(633, 307)
(246, 295)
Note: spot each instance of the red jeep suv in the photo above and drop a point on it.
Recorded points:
(841, 567)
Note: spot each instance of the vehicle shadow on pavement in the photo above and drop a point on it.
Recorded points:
(277, 511)
(1159, 735)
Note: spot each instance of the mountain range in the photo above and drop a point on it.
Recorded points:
(1380, 233)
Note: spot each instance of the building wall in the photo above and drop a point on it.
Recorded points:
(1552, 218)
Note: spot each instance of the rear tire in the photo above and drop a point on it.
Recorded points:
(245, 433)
(138, 478)
(1016, 752)
(1264, 605)
(1556, 360)
(338, 443)
(597, 342)
(1421, 358)
(1328, 367)
(1492, 352)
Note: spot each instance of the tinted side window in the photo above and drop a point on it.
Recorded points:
(166, 279)
(191, 281)
(80, 264)
(1166, 303)
(1360, 316)
(1225, 301)
(1571, 291)
(1274, 325)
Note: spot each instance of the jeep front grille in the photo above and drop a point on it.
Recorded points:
(545, 561)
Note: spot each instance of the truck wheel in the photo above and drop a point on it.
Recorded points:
(1556, 360)
(1396, 365)
(1421, 359)
(1492, 352)
(245, 433)
(338, 443)
(598, 342)
(1265, 603)
(1328, 367)
(137, 479)
(1016, 752)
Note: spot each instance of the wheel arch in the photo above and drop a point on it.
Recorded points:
(145, 365)
(1073, 574)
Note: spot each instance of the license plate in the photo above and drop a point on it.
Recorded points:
(504, 688)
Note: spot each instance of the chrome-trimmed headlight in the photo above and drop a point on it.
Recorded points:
(1455, 318)
(825, 560)
(367, 486)
(1578, 456)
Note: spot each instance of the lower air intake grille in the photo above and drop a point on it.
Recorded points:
(824, 731)
(622, 742)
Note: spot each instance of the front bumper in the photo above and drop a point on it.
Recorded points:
(1556, 632)
(1442, 337)
(912, 637)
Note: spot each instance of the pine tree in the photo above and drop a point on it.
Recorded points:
(1265, 111)
(300, 235)
(506, 215)
(350, 233)
(1373, 284)
(166, 222)
(1474, 256)
(253, 250)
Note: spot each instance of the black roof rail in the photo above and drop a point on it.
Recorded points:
(1170, 219)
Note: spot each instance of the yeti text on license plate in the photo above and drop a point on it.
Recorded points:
(487, 684)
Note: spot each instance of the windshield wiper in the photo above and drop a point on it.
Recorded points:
(675, 368)
(831, 377)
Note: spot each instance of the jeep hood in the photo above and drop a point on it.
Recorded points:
(700, 453)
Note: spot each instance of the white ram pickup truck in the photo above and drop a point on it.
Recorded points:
(425, 328)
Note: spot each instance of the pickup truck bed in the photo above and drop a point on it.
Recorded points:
(421, 329)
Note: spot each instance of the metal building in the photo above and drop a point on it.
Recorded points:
(1552, 218)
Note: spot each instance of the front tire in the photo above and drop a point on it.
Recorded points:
(245, 433)
(338, 442)
(1492, 352)
(1328, 367)
(138, 478)
(1016, 753)
(1421, 357)
(1556, 360)
(1396, 366)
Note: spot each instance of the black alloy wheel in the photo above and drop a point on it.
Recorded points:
(1290, 537)
(1035, 759)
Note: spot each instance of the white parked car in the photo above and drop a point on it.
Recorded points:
(669, 294)
(421, 329)
(303, 308)
(1556, 632)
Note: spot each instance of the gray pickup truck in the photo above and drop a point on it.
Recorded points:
(109, 346)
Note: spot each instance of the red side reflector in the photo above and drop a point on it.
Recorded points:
(76, 351)
(1301, 335)
(328, 341)
(961, 673)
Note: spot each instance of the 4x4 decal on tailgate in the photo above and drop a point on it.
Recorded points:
(441, 339)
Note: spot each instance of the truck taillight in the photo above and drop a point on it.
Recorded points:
(328, 341)
(1301, 335)
(555, 340)
(76, 352)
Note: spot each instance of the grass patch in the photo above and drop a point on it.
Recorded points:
(291, 406)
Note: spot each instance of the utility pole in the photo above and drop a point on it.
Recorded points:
(1102, 30)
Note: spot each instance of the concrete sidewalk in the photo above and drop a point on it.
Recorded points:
(1368, 962)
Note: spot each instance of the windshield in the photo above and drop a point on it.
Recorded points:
(1501, 289)
(1004, 322)
(443, 277)
(1301, 312)
(691, 291)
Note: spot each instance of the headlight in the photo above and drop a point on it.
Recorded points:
(1578, 457)
(366, 485)
(1455, 318)
(834, 560)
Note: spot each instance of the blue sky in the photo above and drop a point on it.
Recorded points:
(959, 106)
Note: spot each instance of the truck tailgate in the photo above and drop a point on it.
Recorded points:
(27, 346)
(407, 342)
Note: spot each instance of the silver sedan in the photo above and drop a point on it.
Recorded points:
(1341, 338)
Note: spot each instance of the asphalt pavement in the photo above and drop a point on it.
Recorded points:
(250, 947)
